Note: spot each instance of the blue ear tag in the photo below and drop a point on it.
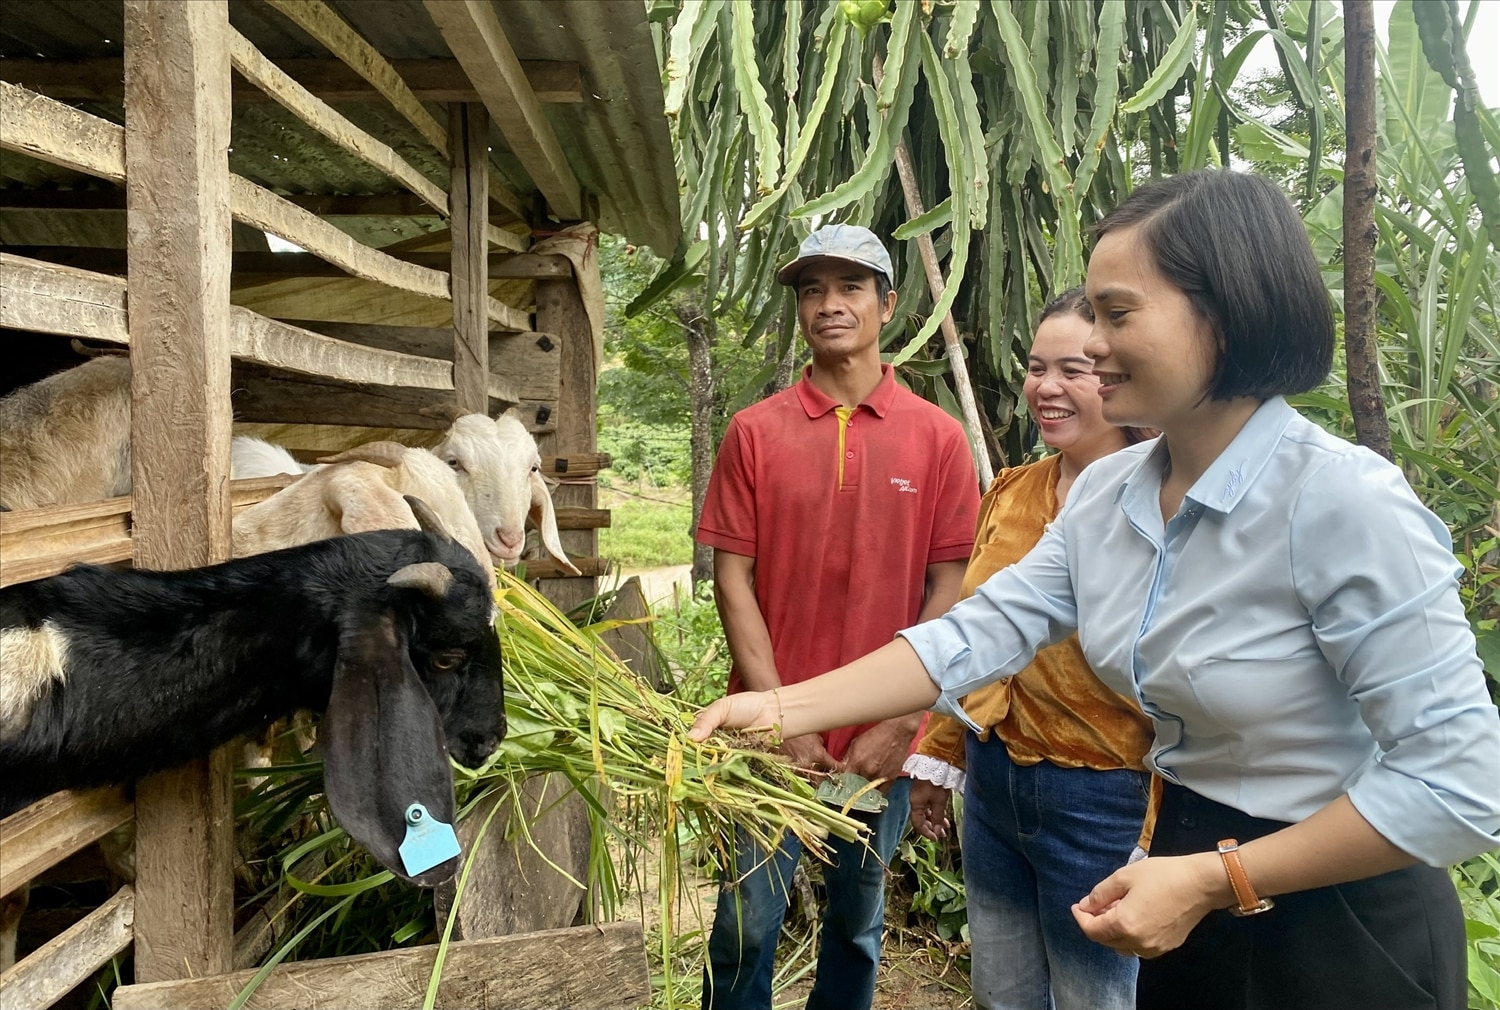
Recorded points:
(428, 841)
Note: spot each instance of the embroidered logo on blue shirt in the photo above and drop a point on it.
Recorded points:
(1231, 485)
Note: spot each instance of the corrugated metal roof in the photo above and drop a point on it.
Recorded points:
(616, 139)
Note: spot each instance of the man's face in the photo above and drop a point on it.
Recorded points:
(839, 311)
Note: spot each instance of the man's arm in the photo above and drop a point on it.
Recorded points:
(880, 751)
(750, 645)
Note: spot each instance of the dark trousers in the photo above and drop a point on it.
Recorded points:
(1392, 942)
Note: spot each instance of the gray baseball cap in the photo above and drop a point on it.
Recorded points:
(840, 241)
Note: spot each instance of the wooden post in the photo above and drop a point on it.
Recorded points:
(177, 196)
(559, 310)
(468, 201)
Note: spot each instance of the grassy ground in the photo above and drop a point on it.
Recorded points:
(650, 526)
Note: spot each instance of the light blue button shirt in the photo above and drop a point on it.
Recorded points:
(1294, 633)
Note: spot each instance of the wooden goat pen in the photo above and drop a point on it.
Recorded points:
(167, 298)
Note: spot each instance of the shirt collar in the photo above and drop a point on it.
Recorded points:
(1228, 477)
(817, 403)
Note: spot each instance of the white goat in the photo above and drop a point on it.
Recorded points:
(66, 439)
(497, 465)
(359, 490)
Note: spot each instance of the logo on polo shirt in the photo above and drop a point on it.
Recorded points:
(903, 485)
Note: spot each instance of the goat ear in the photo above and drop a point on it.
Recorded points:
(383, 746)
(387, 454)
(426, 518)
(361, 501)
(545, 518)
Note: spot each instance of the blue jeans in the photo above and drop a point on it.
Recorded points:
(1035, 839)
(753, 901)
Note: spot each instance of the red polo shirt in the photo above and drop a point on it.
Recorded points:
(842, 524)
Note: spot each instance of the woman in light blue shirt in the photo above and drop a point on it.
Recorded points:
(1283, 608)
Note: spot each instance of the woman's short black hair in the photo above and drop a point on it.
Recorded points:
(1074, 302)
(1233, 243)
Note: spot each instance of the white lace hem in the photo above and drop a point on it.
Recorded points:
(935, 770)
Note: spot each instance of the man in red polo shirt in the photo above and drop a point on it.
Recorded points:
(840, 510)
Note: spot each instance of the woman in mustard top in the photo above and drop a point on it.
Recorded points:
(1055, 792)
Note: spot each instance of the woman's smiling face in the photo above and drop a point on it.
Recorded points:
(1154, 355)
(1062, 391)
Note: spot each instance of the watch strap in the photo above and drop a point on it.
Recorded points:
(1249, 903)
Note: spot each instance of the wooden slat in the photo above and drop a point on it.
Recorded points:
(324, 24)
(589, 570)
(42, 835)
(98, 80)
(177, 72)
(51, 971)
(468, 132)
(505, 317)
(56, 299)
(560, 310)
(579, 518)
(275, 344)
(600, 967)
(473, 34)
(498, 236)
(265, 210)
(318, 114)
(576, 464)
(502, 265)
(59, 134)
(36, 543)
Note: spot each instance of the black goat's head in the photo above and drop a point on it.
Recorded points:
(417, 677)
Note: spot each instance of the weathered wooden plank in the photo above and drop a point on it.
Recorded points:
(98, 79)
(56, 299)
(575, 464)
(504, 316)
(52, 970)
(600, 967)
(339, 38)
(59, 134)
(575, 518)
(36, 543)
(473, 34)
(560, 310)
(502, 265)
(278, 345)
(276, 396)
(178, 196)
(523, 365)
(634, 643)
(498, 236)
(547, 568)
(322, 117)
(42, 835)
(468, 132)
(265, 210)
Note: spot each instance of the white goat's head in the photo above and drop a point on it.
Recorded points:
(500, 470)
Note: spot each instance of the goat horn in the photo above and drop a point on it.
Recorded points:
(426, 518)
(386, 454)
(428, 576)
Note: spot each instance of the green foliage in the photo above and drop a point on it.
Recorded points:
(933, 874)
(1478, 883)
(648, 530)
(691, 639)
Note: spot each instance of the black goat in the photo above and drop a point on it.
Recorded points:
(107, 675)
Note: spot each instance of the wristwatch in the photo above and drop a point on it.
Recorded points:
(1249, 902)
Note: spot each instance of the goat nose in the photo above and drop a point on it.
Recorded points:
(510, 538)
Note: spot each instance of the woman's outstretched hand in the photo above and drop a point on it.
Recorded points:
(745, 710)
(1150, 907)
